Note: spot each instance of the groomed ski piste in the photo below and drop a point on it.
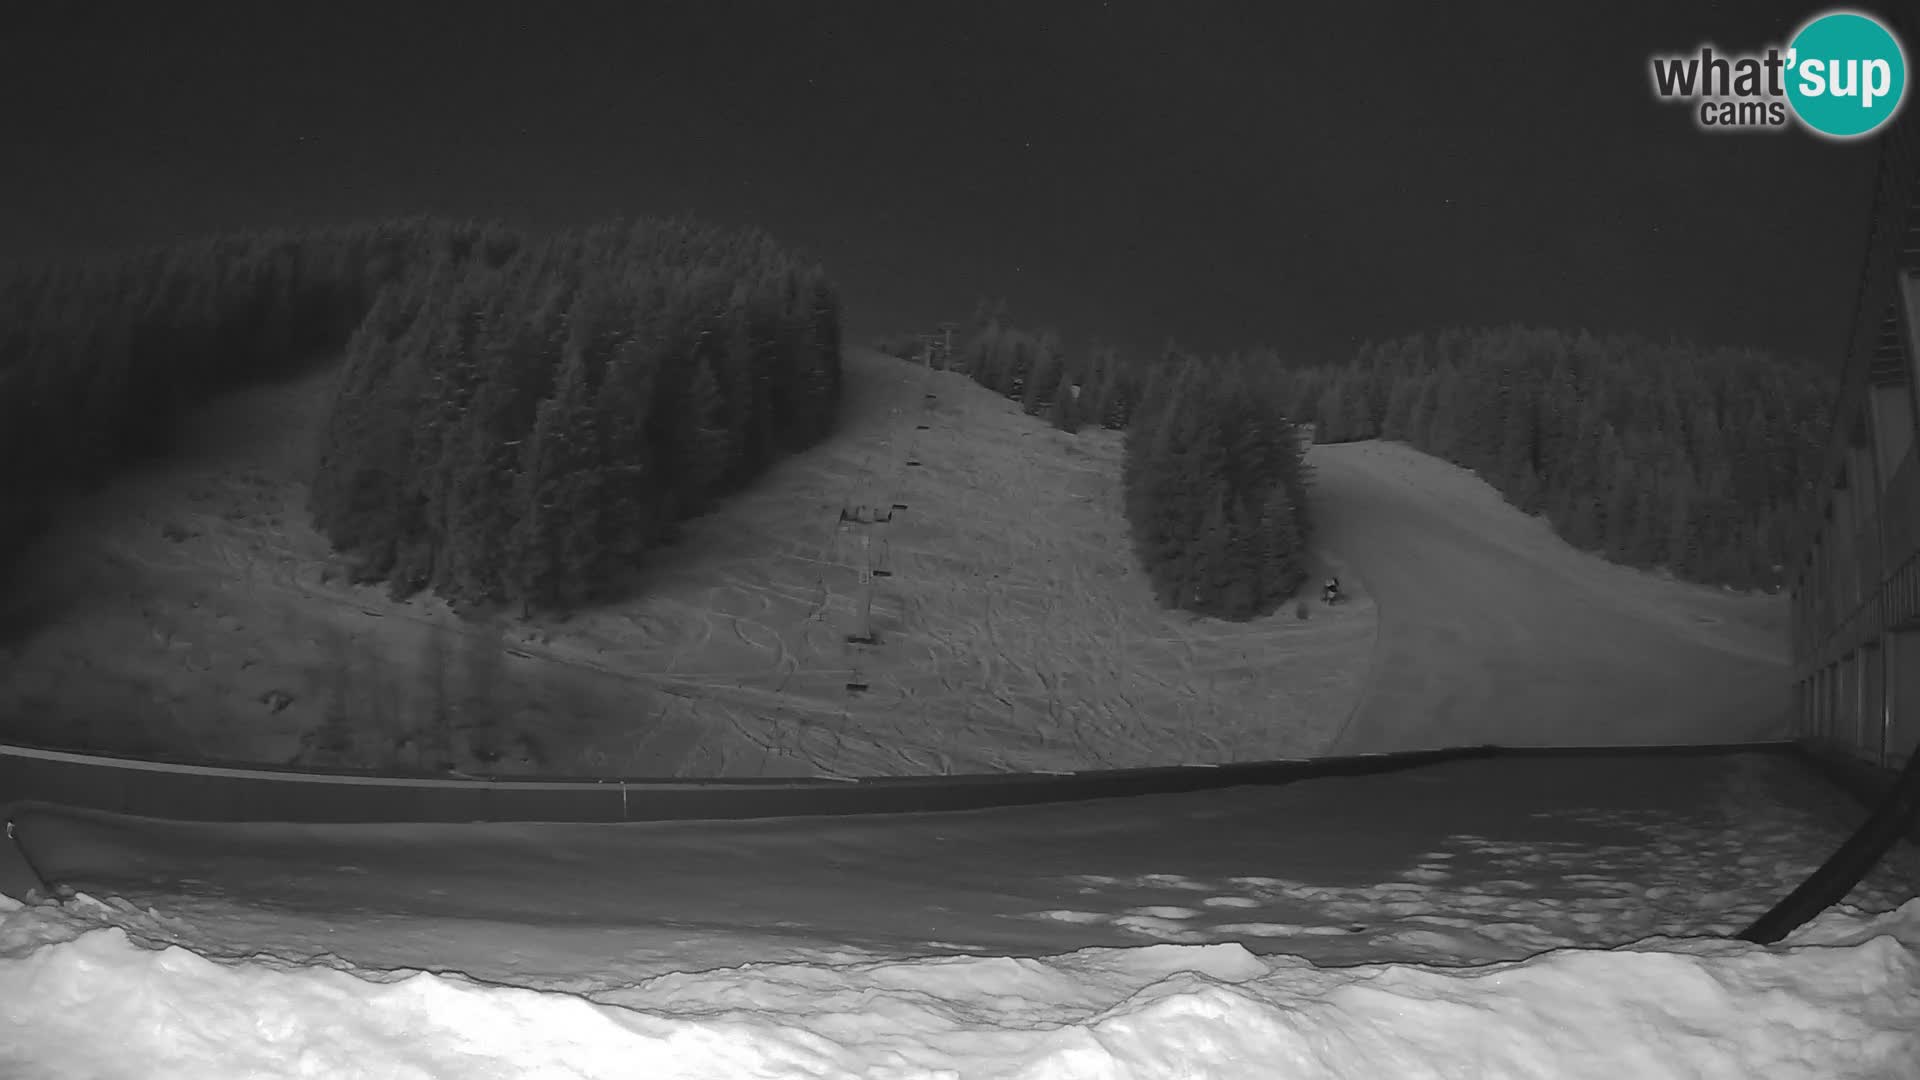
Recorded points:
(1471, 914)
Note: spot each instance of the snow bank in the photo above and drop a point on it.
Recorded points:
(86, 991)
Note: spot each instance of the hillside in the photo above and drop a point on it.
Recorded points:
(191, 610)
(1492, 629)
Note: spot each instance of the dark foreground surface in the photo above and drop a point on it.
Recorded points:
(1434, 860)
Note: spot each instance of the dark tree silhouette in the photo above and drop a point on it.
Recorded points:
(1216, 488)
(1653, 455)
(543, 422)
(514, 419)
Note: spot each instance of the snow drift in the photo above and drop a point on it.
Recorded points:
(87, 989)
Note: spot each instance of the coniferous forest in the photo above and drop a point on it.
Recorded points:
(1094, 386)
(518, 418)
(1216, 491)
(1670, 456)
(1664, 456)
(100, 357)
(521, 427)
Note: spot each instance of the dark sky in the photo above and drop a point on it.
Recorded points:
(1303, 176)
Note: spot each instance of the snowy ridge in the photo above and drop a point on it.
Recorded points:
(1572, 941)
(1835, 1001)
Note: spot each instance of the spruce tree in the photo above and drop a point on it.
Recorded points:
(700, 442)
(630, 516)
(1281, 547)
(1064, 413)
(1042, 381)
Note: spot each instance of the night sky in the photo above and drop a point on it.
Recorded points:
(1224, 174)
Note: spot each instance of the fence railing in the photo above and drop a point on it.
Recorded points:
(126, 785)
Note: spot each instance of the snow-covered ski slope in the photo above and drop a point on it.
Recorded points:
(1538, 918)
(1493, 630)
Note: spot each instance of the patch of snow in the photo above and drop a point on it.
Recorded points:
(86, 991)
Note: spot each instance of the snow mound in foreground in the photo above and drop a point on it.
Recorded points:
(88, 990)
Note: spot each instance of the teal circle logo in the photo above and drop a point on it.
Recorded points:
(1846, 74)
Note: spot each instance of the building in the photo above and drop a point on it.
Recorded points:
(1856, 586)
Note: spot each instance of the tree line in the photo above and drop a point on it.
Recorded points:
(100, 356)
(1698, 461)
(518, 418)
(1216, 491)
(1095, 385)
(1215, 488)
(1672, 456)
(521, 431)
